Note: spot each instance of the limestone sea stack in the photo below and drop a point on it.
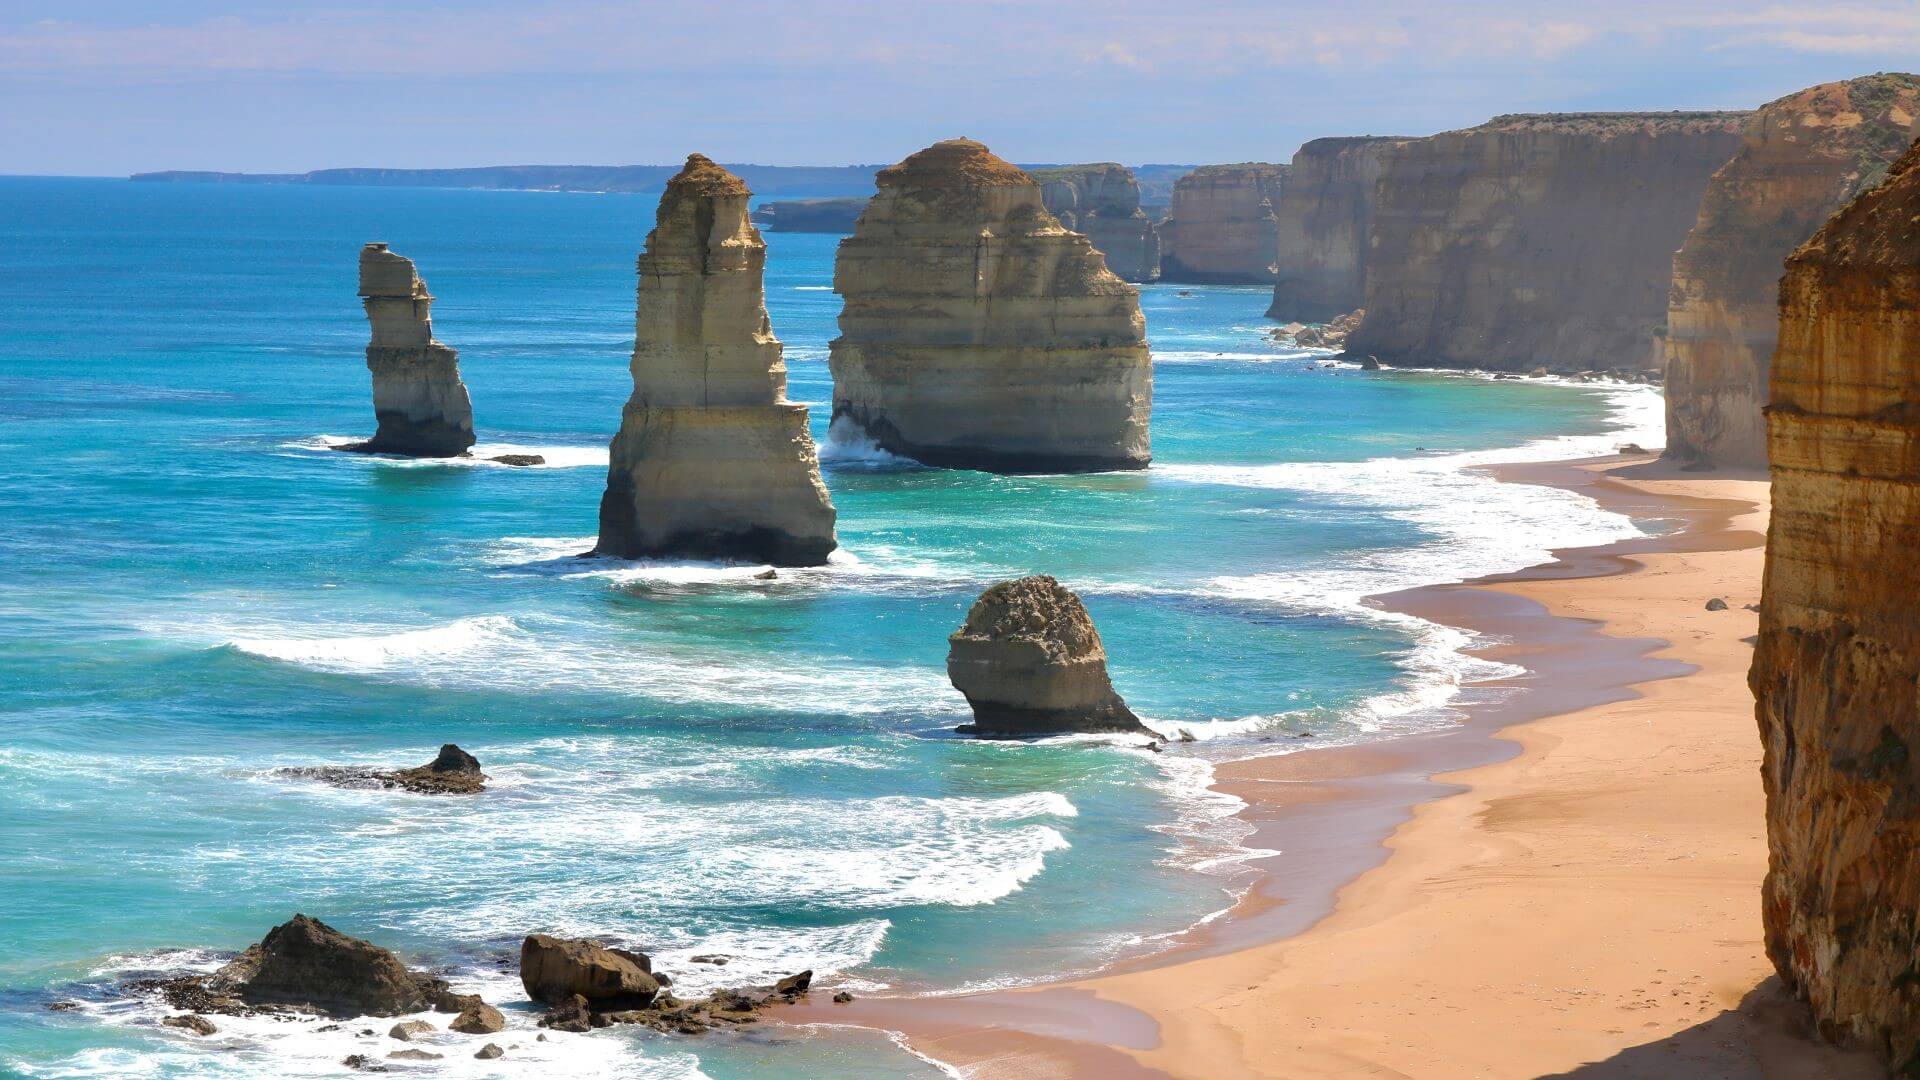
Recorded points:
(1102, 202)
(979, 333)
(1321, 221)
(418, 399)
(712, 461)
(1836, 671)
(1221, 226)
(1802, 158)
(1535, 240)
(1030, 662)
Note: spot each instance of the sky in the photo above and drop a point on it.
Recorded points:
(110, 87)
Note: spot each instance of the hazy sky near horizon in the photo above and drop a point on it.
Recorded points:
(109, 87)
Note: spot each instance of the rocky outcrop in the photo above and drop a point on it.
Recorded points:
(1535, 241)
(1321, 222)
(712, 461)
(306, 965)
(1332, 334)
(1802, 158)
(418, 399)
(1836, 671)
(1030, 662)
(1102, 202)
(810, 215)
(1221, 227)
(452, 772)
(554, 970)
(978, 333)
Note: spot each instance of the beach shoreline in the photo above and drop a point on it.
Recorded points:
(1327, 967)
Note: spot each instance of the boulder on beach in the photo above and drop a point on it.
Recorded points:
(555, 969)
(305, 964)
(1030, 662)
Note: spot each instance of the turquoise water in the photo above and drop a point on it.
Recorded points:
(195, 591)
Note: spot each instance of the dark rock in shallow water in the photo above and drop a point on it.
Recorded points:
(522, 460)
(478, 1018)
(193, 1022)
(363, 1063)
(794, 985)
(489, 1052)
(1030, 662)
(570, 1015)
(454, 772)
(305, 964)
(554, 970)
(415, 1055)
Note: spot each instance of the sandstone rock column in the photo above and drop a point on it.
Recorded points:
(1102, 202)
(712, 461)
(1221, 227)
(418, 399)
(1802, 158)
(1030, 663)
(1320, 223)
(1836, 672)
(978, 333)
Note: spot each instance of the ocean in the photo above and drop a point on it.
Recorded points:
(195, 591)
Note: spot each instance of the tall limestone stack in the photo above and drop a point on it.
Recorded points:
(1803, 157)
(1103, 202)
(419, 402)
(1221, 228)
(712, 461)
(1536, 240)
(1321, 223)
(1030, 662)
(978, 333)
(1836, 672)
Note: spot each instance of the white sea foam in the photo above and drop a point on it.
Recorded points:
(848, 445)
(481, 456)
(1214, 356)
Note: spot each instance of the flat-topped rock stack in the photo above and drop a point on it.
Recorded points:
(712, 461)
(1102, 202)
(1030, 663)
(1221, 227)
(1321, 220)
(419, 402)
(1802, 158)
(977, 332)
(1836, 669)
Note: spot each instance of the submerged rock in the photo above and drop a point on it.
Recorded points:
(1030, 662)
(193, 1022)
(712, 461)
(1221, 227)
(306, 965)
(418, 399)
(554, 970)
(453, 772)
(979, 333)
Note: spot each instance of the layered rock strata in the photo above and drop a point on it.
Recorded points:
(1030, 662)
(977, 332)
(1802, 158)
(1221, 228)
(1535, 241)
(1102, 202)
(1836, 671)
(712, 461)
(1321, 223)
(419, 402)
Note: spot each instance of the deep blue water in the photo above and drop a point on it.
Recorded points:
(194, 591)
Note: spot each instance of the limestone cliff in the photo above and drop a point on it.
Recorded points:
(1030, 662)
(976, 332)
(1220, 228)
(810, 215)
(1802, 158)
(419, 402)
(1321, 222)
(712, 460)
(1535, 241)
(1102, 202)
(1836, 672)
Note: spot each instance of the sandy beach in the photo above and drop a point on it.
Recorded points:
(1568, 885)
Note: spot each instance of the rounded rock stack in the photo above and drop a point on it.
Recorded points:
(979, 333)
(420, 403)
(1030, 662)
(712, 461)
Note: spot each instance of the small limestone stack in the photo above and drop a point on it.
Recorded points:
(712, 461)
(1221, 227)
(1802, 158)
(1102, 202)
(978, 333)
(418, 399)
(1030, 662)
(1836, 670)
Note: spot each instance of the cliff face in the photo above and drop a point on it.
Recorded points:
(711, 460)
(1321, 223)
(1102, 202)
(419, 402)
(1535, 241)
(1802, 158)
(1836, 672)
(810, 215)
(976, 332)
(1221, 227)
(1030, 662)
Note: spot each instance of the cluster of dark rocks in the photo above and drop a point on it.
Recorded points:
(589, 985)
(453, 772)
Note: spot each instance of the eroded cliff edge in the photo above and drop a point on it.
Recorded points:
(1836, 671)
(976, 332)
(1535, 240)
(1321, 224)
(1802, 158)
(711, 461)
(1221, 227)
(1102, 202)
(419, 401)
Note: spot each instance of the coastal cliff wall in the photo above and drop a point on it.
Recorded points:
(1220, 228)
(1536, 240)
(1802, 158)
(1836, 670)
(1321, 224)
(810, 215)
(1103, 202)
(419, 400)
